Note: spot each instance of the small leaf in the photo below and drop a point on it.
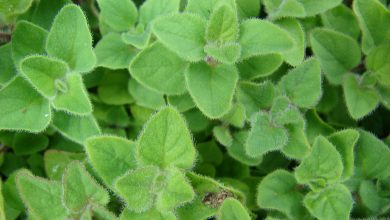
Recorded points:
(144, 96)
(264, 136)
(136, 187)
(152, 9)
(283, 112)
(23, 108)
(323, 166)
(81, 190)
(113, 88)
(279, 191)
(337, 53)
(298, 146)
(360, 99)
(113, 53)
(258, 37)
(222, 26)
(148, 215)
(248, 8)
(69, 39)
(212, 88)
(342, 19)
(75, 128)
(166, 141)
(138, 37)
(303, 84)
(160, 69)
(222, 135)
(227, 53)
(238, 152)
(183, 102)
(232, 209)
(334, 202)
(259, 66)
(56, 161)
(183, 34)
(42, 72)
(378, 61)
(118, 15)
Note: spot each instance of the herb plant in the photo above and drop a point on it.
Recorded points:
(194, 109)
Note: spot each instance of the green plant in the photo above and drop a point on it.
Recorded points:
(194, 109)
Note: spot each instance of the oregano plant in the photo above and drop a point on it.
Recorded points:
(194, 109)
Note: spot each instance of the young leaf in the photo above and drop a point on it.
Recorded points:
(166, 141)
(278, 190)
(378, 62)
(303, 84)
(75, 128)
(41, 197)
(212, 88)
(136, 187)
(258, 37)
(118, 15)
(23, 107)
(183, 34)
(113, 53)
(42, 72)
(334, 202)
(27, 39)
(227, 53)
(264, 136)
(160, 69)
(360, 99)
(323, 166)
(222, 26)
(80, 189)
(337, 53)
(152, 9)
(238, 152)
(74, 98)
(232, 209)
(283, 112)
(111, 157)
(69, 39)
(139, 37)
(259, 66)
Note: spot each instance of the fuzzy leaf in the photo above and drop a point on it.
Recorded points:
(378, 61)
(212, 88)
(183, 34)
(237, 150)
(113, 88)
(138, 37)
(360, 99)
(201, 7)
(227, 53)
(113, 53)
(258, 37)
(183, 102)
(334, 202)
(303, 84)
(232, 209)
(57, 161)
(283, 112)
(337, 53)
(264, 136)
(136, 187)
(7, 66)
(160, 69)
(42, 72)
(152, 9)
(248, 8)
(222, 26)
(69, 39)
(148, 215)
(118, 15)
(27, 143)
(80, 189)
(166, 141)
(144, 96)
(342, 19)
(23, 108)
(298, 146)
(222, 135)
(259, 66)
(324, 165)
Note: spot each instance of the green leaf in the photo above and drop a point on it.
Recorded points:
(303, 84)
(236, 116)
(264, 136)
(298, 146)
(316, 126)
(138, 37)
(70, 40)
(113, 88)
(7, 67)
(12, 8)
(212, 88)
(227, 53)
(334, 202)
(345, 142)
(232, 209)
(81, 190)
(160, 69)
(259, 37)
(222, 26)
(27, 39)
(144, 96)
(41, 197)
(323, 166)
(360, 99)
(175, 192)
(43, 73)
(26, 143)
(222, 135)
(23, 108)
(2, 211)
(118, 15)
(372, 16)
(372, 157)
(74, 127)
(45, 12)
(166, 141)
(378, 62)
(210, 152)
(283, 113)
(238, 152)
(259, 66)
(337, 53)
(371, 199)
(279, 191)
(148, 215)
(113, 53)
(201, 7)
(342, 19)
(56, 161)
(75, 98)
(183, 102)
(102, 213)
(248, 8)
(183, 34)
(136, 188)
(152, 9)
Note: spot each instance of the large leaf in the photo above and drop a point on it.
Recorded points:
(212, 88)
